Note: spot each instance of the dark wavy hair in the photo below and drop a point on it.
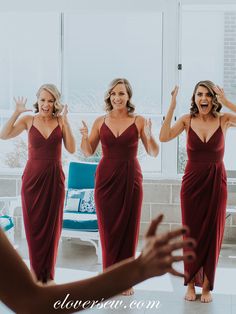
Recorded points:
(108, 105)
(216, 105)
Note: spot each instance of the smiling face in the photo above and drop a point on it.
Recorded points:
(119, 97)
(203, 100)
(46, 103)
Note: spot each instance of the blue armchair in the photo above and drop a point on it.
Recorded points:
(7, 207)
(80, 219)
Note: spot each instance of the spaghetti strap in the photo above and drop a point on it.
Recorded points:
(220, 121)
(190, 119)
(135, 118)
(32, 121)
(104, 118)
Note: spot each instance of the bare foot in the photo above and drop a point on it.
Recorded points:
(40, 283)
(190, 294)
(50, 282)
(128, 292)
(206, 296)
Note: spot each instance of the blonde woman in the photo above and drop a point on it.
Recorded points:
(118, 188)
(43, 188)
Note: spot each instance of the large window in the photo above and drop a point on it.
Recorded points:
(81, 54)
(81, 47)
(99, 47)
(29, 57)
(207, 53)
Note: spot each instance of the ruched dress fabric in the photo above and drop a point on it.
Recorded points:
(203, 202)
(118, 194)
(43, 193)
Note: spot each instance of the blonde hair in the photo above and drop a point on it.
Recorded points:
(52, 89)
(216, 105)
(108, 105)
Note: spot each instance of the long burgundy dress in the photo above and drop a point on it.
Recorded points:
(42, 194)
(203, 202)
(118, 194)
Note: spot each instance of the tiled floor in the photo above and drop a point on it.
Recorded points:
(166, 292)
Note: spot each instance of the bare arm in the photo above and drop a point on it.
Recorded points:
(167, 132)
(19, 291)
(13, 126)
(90, 142)
(68, 137)
(149, 142)
(220, 94)
(230, 119)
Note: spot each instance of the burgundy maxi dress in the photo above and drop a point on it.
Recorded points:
(118, 194)
(42, 194)
(203, 202)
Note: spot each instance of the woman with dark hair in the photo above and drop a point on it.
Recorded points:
(43, 187)
(204, 189)
(118, 186)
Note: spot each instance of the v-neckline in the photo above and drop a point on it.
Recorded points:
(219, 127)
(116, 137)
(45, 138)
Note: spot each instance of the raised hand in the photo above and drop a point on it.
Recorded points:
(84, 130)
(174, 94)
(220, 94)
(20, 104)
(148, 128)
(158, 249)
(64, 113)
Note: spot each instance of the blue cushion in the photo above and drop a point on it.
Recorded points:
(81, 175)
(80, 221)
(73, 200)
(78, 200)
(87, 204)
(6, 222)
(88, 225)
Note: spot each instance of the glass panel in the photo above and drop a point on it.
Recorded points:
(202, 49)
(30, 56)
(96, 53)
(207, 50)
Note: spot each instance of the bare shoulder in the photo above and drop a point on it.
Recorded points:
(185, 119)
(139, 119)
(98, 122)
(225, 116)
(27, 121)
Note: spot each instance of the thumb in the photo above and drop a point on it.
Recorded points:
(153, 226)
(84, 124)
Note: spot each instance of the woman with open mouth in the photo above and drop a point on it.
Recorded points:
(43, 188)
(204, 184)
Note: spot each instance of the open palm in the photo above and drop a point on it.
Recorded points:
(20, 104)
